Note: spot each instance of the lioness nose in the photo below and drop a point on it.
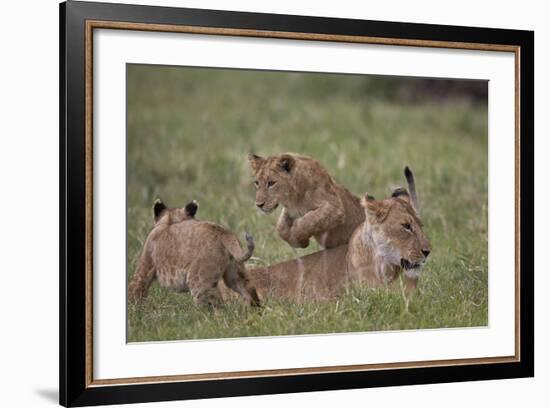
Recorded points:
(260, 205)
(426, 252)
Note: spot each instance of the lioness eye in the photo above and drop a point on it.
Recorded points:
(407, 226)
(256, 184)
(271, 183)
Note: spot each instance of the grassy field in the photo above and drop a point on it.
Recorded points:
(189, 131)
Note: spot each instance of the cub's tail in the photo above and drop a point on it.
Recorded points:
(249, 248)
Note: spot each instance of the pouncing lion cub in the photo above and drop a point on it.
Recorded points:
(189, 255)
(314, 204)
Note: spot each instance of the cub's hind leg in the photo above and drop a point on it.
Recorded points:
(235, 278)
(143, 278)
(202, 280)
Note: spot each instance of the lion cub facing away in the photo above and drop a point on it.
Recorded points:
(314, 205)
(189, 255)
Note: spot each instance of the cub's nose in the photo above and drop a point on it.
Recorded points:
(426, 252)
(260, 205)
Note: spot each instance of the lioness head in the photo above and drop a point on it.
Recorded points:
(272, 178)
(173, 215)
(396, 229)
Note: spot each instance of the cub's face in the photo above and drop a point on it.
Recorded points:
(271, 180)
(161, 213)
(394, 226)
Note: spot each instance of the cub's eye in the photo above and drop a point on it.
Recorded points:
(271, 183)
(407, 226)
(256, 184)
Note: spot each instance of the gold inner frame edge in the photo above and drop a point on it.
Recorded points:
(97, 24)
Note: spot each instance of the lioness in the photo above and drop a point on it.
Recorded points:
(186, 254)
(314, 205)
(389, 241)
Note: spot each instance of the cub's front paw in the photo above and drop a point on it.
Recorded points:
(298, 243)
(284, 231)
(284, 225)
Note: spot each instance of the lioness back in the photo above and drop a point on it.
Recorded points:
(314, 204)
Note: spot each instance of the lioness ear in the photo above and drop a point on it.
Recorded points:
(286, 163)
(191, 208)
(367, 200)
(158, 209)
(255, 162)
(412, 188)
(375, 210)
(401, 193)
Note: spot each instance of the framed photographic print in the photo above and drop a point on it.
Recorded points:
(256, 203)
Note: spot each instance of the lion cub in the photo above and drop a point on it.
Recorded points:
(189, 255)
(314, 205)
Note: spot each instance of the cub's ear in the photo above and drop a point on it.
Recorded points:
(255, 162)
(286, 162)
(191, 208)
(375, 210)
(402, 194)
(158, 209)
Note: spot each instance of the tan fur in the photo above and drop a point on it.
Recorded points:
(186, 254)
(382, 246)
(378, 251)
(315, 277)
(314, 205)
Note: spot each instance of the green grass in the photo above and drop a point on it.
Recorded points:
(189, 131)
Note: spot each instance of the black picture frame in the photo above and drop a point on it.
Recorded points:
(75, 389)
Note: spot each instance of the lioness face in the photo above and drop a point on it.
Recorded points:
(271, 179)
(394, 226)
(174, 215)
